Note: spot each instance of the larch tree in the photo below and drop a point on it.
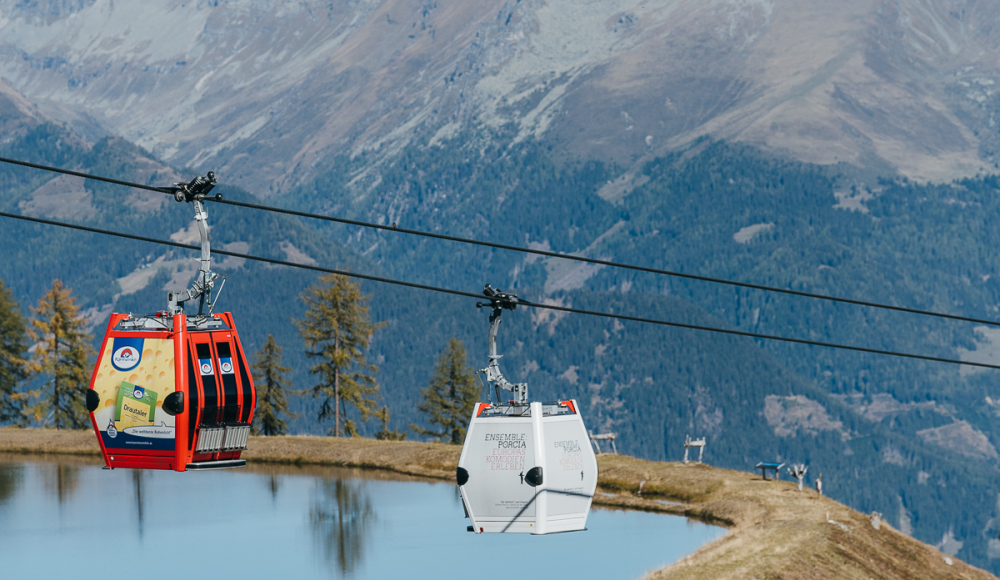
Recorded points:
(13, 369)
(271, 385)
(337, 330)
(62, 351)
(449, 398)
(386, 434)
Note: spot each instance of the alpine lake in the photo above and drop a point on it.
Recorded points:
(67, 517)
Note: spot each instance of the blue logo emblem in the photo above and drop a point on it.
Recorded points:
(126, 353)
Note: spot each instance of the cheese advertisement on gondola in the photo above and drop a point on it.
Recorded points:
(133, 377)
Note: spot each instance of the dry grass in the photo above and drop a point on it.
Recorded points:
(42, 441)
(775, 531)
(432, 460)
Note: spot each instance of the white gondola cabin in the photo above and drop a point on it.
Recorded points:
(525, 467)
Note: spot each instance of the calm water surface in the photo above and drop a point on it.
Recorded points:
(66, 520)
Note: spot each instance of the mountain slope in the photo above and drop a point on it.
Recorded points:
(270, 94)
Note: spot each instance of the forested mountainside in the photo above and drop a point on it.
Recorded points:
(913, 440)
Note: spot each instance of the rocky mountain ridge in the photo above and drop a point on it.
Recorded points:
(270, 94)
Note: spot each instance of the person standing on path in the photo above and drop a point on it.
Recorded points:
(819, 484)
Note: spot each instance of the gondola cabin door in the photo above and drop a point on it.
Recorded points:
(169, 392)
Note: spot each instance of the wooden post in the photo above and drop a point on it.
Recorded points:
(699, 443)
(603, 437)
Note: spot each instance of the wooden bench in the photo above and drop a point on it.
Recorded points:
(763, 466)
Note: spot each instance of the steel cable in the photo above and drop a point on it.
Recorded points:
(481, 297)
(537, 252)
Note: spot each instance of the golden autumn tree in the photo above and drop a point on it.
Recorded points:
(337, 330)
(62, 352)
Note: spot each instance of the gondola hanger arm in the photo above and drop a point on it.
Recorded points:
(498, 302)
(196, 192)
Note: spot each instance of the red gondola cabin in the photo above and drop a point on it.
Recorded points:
(171, 392)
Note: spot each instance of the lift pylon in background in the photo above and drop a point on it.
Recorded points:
(171, 391)
(525, 466)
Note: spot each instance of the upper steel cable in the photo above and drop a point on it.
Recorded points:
(525, 250)
(521, 301)
(166, 190)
